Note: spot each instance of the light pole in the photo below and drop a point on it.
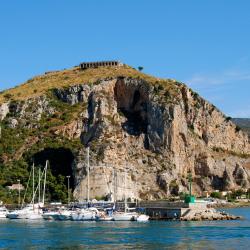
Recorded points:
(88, 168)
(190, 179)
(18, 193)
(68, 176)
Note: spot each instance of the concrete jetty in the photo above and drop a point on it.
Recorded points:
(197, 211)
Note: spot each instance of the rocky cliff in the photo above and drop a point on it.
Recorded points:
(145, 134)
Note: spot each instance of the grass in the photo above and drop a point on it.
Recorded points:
(40, 85)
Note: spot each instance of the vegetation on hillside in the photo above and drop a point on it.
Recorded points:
(20, 146)
(41, 84)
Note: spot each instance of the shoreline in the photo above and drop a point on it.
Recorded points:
(231, 205)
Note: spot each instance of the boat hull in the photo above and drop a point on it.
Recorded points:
(83, 216)
(49, 216)
(12, 215)
(3, 215)
(124, 216)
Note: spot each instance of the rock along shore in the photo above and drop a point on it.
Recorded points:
(209, 214)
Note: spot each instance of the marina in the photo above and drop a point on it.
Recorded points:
(109, 211)
(189, 209)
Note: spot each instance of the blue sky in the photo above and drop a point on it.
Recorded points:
(205, 44)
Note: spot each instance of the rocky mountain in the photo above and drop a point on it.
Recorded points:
(145, 134)
(243, 123)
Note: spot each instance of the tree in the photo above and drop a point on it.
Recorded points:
(216, 195)
(140, 68)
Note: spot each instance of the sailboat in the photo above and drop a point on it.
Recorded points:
(107, 214)
(33, 210)
(126, 215)
(85, 214)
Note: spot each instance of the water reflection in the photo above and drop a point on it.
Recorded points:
(130, 235)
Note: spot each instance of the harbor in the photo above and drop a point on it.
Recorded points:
(189, 209)
(107, 211)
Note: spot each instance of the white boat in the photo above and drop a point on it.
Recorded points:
(3, 212)
(63, 215)
(50, 215)
(125, 216)
(142, 218)
(85, 214)
(30, 212)
(103, 216)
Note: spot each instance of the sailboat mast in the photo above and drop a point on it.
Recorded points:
(125, 194)
(44, 183)
(114, 187)
(33, 184)
(88, 168)
(113, 182)
(39, 185)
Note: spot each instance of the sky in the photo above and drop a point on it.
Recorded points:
(205, 44)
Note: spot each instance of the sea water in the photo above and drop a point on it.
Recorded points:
(18, 234)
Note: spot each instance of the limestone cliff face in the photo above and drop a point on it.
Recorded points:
(143, 138)
(153, 141)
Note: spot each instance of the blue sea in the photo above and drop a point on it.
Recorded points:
(17, 234)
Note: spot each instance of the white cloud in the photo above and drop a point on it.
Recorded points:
(226, 89)
(215, 81)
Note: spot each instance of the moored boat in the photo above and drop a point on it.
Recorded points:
(142, 218)
(106, 215)
(63, 215)
(3, 212)
(125, 216)
(49, 215)
(31, 212)
(85, 214)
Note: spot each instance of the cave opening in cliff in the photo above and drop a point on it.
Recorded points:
(135, 111)
(135, 124)
(60, 162)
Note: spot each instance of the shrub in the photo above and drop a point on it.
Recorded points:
(8, 96)
(216, 195)
(237, 129)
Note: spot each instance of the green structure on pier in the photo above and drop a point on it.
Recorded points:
(190, 198)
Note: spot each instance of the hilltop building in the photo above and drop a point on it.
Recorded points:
(86, 65)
